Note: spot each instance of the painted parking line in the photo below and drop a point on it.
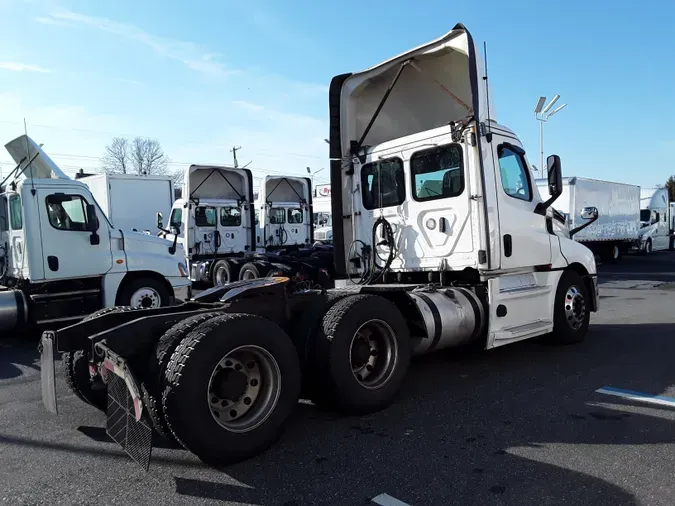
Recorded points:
(638, 396)
(387, 500)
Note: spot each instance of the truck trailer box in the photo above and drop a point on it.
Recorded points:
(618, 207)
(131, 202)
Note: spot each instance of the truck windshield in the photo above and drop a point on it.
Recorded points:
(645, 215)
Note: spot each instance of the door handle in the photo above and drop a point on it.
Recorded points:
(53, 263)
(508, 246)
(442, 225)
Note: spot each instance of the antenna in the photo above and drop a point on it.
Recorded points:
(488, 134)
(234, 154)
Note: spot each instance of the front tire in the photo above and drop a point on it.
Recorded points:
(144, 293)
(231, 385)
(363, 352)
(571, 311)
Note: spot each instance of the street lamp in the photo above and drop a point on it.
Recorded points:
(309, 171)
(542, 115)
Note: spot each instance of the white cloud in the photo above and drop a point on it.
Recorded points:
(50, 21)
(22, 67)
(190, 54)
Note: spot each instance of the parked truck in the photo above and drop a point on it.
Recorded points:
(477, 262)
(129, 201)
(656, 221)
(617, 229)
(323, 220)
(227, 235)
(60, 257)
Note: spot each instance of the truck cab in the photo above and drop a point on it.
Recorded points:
(433, 189)
(214, 221)
(61, 258)
(285, 213)
(655, 220)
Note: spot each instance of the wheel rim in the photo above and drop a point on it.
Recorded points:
(244, 388)
(221, 276)
(575, 307)
(249, 274)
(373, 353)
(146, 298)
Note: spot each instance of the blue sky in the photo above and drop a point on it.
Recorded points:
(203, 76)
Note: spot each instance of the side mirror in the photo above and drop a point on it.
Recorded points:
(160, 221)
(93, 225)
(555, 185)
(554, 175)
(587, 213)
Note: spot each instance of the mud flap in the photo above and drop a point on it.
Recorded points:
(134, 436)
(128, 423)
(47, 372)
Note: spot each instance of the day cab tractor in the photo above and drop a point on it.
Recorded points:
(441, 239)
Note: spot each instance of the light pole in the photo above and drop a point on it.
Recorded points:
(542, 116)
(309, 171)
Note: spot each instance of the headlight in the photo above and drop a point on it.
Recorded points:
(182, 268)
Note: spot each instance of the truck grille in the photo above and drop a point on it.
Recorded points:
(320, 235)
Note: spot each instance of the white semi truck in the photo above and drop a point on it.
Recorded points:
(475, 260)
(227, 235)
(61, 259)
(656, 220)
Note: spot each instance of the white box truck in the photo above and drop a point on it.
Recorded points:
(130, 201)
(617, 229)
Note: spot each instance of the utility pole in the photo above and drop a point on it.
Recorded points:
(234, 153)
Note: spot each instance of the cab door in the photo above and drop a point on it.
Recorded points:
(525, 242)
(67, 245)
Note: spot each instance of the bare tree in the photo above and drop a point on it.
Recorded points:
(148, 156)
(141, 156)
(116, 158)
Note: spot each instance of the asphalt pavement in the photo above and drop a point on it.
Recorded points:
(522, 424)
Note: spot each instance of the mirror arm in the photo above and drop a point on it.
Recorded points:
(581, 227)
(172, 248)
(543, 206)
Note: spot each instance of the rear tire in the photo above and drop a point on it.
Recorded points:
(254, 270)
(363, 352)
(154, 378)
(215, 369)
(571, 310)
(76, 370)
(221, 273)
(304, 335)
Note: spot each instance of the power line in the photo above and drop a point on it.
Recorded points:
(205, 143)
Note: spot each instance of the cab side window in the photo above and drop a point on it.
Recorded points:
(514, 174)
(67, 212)
(15, 216)
(383, 184)
(176, 218)
(4, 218)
